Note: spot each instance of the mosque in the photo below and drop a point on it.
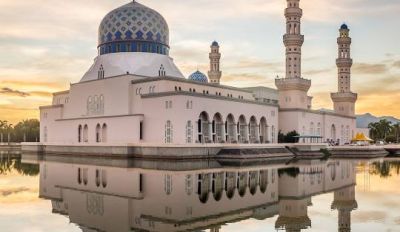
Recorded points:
(135, 94)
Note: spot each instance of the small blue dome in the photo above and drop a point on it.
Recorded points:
(198, 76)
(344, 27)
(215, 43)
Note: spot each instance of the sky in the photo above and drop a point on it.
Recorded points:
(46, 45)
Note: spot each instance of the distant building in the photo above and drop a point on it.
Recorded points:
(134, 93)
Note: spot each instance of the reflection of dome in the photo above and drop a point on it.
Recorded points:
(198, 76)
(344, 27)
(133, 27)
(215, 44)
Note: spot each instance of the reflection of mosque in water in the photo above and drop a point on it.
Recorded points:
(145, 197)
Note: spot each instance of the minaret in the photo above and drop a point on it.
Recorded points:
(293, 39)
(344, 100)
(293, 88)
(215, 74)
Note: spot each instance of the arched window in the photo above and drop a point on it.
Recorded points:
(96, 105)
(104, 133)
(86, 134)
(45, 134)
(100, 73)
(189, 132)
(97, 177)
(161, 71)
(104, 178)
(79, 133)
(89, 105)
(168, 132)
(79, 176)
(312, 129)
(168, 184)
(101, 111)
(98, 133)
(273, 134)
(319, 129)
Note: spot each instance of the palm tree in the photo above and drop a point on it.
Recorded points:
(385, 128)
(374, 130)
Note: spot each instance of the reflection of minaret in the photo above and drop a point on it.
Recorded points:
(215, 229)
(293, 216)
(345, 202)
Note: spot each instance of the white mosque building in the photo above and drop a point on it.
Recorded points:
(135, 94)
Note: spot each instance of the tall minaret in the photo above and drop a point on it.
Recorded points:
(215, 73)
(293, 88)
(293, 39)
(344, 100)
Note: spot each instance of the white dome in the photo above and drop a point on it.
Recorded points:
(135, 63)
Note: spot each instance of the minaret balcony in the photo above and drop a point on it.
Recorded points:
(293, 40)
(344, 97)
(344, 62)
(293, 12)
(293, 84)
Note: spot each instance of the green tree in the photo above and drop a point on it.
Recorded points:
(380, 130)
(27, 131)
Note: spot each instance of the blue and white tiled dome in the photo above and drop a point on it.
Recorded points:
(198, 76)
(133, 27)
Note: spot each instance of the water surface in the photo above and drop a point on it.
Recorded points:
(88, 194)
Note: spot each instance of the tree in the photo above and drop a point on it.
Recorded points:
(27, 131)
(290, 137)
(380, 130)
(396, 131)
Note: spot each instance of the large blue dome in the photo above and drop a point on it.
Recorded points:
(198, 76)
(133, 27)
(344, 27)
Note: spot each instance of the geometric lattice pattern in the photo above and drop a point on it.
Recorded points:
(198, 76)
(134, 22)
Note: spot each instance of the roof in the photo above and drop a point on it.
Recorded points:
(136, 63)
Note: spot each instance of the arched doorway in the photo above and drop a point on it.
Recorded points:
(218, 128)
(333, 132)
(242, 128)
(230, 128)
(253, 130)
(203, 127)
(263, 130)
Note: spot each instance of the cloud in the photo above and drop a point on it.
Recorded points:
(8, 91)
(364, 68)
(367, 216)
(316, 71)
(396, 64)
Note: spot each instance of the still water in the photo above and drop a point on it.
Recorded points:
(87, 194)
